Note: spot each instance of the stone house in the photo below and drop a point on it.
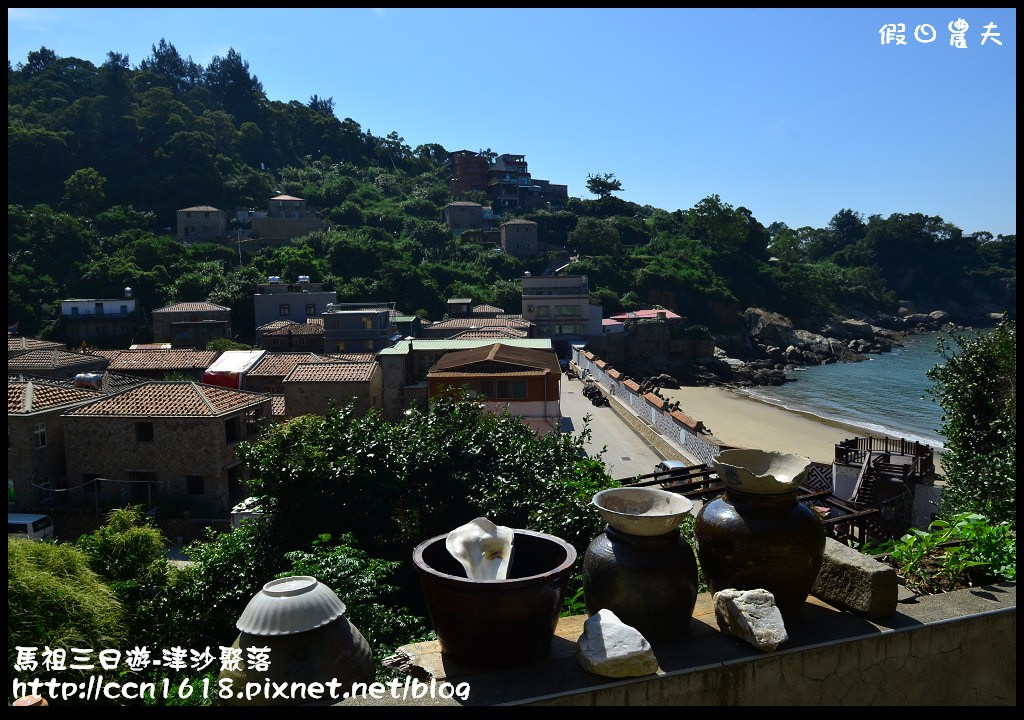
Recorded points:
(287, 217)
(295, 337)
(202, 222)
(525, 381)
(461, 216)
(35, 440)
(191, 324)
(268, 376)
(519, 237)
(20, 345)
(158, 364)
(56, 364)
(312, 388)
(163, 439)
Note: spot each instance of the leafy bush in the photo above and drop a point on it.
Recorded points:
(977, 390)
(54, 599)
(963, 551)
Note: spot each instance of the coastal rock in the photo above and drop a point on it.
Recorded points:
(939, 316)
(858, 329)
(855, 581)
(770, 328)
(610, 648)
(750, 615)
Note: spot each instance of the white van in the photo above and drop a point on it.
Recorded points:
(33, 527)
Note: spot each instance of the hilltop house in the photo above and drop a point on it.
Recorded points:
(202, 222)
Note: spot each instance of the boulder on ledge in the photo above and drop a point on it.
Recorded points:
(610, 648)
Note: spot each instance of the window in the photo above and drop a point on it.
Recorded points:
(144, 431)
(40, 434)
(124, 309)
(98, 308)
(300, 341)
(74, 309)
(311, 309)
(233, 429)
(43, 490)
(194, 484)
(543, 311)
(367, 323)
(368, 345)
(284, 310)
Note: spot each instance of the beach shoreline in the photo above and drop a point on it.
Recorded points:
(740, 420)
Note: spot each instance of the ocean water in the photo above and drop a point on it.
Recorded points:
(887, 394)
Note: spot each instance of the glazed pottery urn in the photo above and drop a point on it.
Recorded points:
(757, 535)
(639, 567)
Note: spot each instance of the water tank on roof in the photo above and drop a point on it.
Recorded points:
(303, 278)
(127, 292)
(274, 279)
(89, 381)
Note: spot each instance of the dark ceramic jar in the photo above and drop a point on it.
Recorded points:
(759, 536)
(649, 582)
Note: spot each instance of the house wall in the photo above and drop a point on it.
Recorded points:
(461, 218)
(181, 447)
(162, 321)
(27, 463)
(519, 238)
(279, 229)
(268, 306)
(315, 398)
(202, 224)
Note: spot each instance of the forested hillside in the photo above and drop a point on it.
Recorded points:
(101, 157)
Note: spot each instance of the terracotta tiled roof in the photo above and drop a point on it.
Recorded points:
(274, 325)
(200, 208)
(191, 307)
(108, 354)
(487, 309)
(490, 332)
(26, 396)
(331, 372)
(296, 329)
(489, 373)
(280, 364)
(277, 406)
(181, 359)
(286, 197)
(464, 203)
(172, 399)
(466, 323)
(499, 353)
(645, 315)
(112, 382)
(26, 343)
(50, 359)
(519, 221)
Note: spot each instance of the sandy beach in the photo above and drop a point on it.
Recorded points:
(741, 421)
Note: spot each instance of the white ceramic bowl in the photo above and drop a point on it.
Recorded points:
(290, 605)
(761, 471)
(642, 511)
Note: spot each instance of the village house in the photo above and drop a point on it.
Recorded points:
(277, 301)
(268, 376)
(314, 388)
(36, 463)
(295, 337)
(202, 222)
(17, 345)
(191, 324)
(287, 217)
(525, 381)
(519, 237)
(163, 439)
(103, 321)
(159, 364)
(405, 366)
(56, 364)
(359, 327)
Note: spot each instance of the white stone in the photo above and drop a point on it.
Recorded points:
(610, 648)
(750, 615)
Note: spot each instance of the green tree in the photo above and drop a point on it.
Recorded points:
(977, 390)
(603, 185)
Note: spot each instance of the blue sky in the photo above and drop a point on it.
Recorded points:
(794, 114)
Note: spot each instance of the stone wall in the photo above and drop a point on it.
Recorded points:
(648, 415)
